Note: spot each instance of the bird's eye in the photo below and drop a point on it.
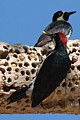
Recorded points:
(60, 13)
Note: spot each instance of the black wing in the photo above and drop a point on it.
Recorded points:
(51, 74)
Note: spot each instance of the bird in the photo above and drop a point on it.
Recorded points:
(54, 69)
(59, 24)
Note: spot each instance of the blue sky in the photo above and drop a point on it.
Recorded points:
(39, 117)
(22, 21)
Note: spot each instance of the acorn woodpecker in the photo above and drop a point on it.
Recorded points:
(53, 71)
(59, 24)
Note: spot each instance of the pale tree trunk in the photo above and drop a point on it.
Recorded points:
(65, 99)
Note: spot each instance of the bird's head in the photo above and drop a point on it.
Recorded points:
(62, 16)
(58, 36)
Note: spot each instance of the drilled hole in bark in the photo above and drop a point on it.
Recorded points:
(23, 109)
(72, 89)
(29, 57)
(9, 69)
(8, 107)
(27, 106)
(33, 77)
(27, 78)
(33, 71)
(79, 50)
(8, 45)
(73, 50)
(34, 49)
(64, 84)
(17, 70)
(15, 56)
(8, 58)
(26, 100)
(26, 64)
(74, 59)
(6, 88)
(44, 52)
(3, 54)
(70, 84)
(17, 51)
(79, 101)
(38, 54)
(72, 67)
(34, 65)
(27, 72)
(2, 70)
(76, 83)
(20, 64)
(22, 73)
(75, 44)
(78, 67)
(6, 64)
(5, 47)
(9, 79)
(77, 53)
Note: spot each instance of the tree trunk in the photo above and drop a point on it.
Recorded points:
(13, 75)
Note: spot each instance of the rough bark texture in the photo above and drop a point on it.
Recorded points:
(65, 99)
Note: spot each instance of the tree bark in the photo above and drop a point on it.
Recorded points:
(65, 99)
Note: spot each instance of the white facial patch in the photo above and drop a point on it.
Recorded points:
(61, 17)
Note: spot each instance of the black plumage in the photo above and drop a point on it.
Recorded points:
(52, 72)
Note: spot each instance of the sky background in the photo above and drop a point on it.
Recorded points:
(22, 21)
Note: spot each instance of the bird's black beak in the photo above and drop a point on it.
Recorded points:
(70, 13)
(67, 14)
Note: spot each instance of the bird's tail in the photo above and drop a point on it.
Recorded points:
(17, 95)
